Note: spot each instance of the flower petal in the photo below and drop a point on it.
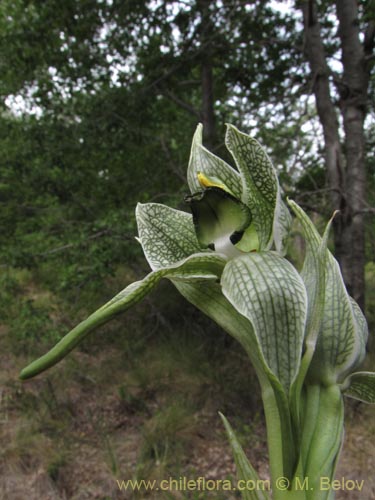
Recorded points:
(209, 266)
(361, 386)
(269, 292)
(341, 332)
(166, 235)
(202, 160)
(259, 181)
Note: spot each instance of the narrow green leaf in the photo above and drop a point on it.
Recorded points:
(166, 235)
(361, 386)
(259, 181)
(321, 454)
(202, 160)
(267, 290)
(245, 471)
(340, 347)
(196, 266)
(281, 225)
(336, 327)
(313, 274)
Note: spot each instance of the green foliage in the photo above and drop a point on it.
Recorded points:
(27, 312)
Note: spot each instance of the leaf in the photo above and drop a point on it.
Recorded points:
(268, 291)
(259, 181)
(336, 327)
(196, 266)
(166, 235)
(211, 301)
(245, 470)
(325, 431)
(362, 329)
(361, 386)
(202, 160)
(281, 225)
(313, 274)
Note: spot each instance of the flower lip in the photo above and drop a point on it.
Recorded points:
(218, 216)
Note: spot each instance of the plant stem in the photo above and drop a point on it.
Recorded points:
(274, 439)
(322, 437)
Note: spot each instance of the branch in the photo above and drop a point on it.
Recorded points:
(369, 210)
(317, 191)
(184, 105)
(316, 56)
(99, 234)
(174, 168)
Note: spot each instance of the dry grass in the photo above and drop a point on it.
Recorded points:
(72, 433)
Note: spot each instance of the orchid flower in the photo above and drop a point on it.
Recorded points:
(303, 333)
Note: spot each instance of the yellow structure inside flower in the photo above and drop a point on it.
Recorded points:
(206, 182)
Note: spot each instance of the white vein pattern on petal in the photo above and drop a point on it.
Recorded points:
(362, 329)
(211, 301)
(362, 386)
(201, 265)
(202, 160)
(260, 185)
(311, 265)
(167, 235)
(281, 224)
(339, 341)
(343, 334)
(268, 291)
(254, 164)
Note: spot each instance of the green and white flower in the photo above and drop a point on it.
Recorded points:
(303, 333)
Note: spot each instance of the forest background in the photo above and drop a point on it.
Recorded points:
(99, 103)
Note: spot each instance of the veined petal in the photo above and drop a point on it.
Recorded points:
(199, 266)
(269, 292)
(361, 386)
(212, 302)
(166, 235)
(259, 182)
(202, 160)
(281, 225)
(341, 331)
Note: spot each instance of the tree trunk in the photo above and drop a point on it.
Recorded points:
(206, 41)
(353, 101)
(208, 115)
(346, 175)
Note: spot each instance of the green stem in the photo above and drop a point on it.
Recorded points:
(322, 437)
(320, 447)
(310, 416)
(273, 424)
(275, 450)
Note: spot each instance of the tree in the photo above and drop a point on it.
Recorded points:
(138, 76)
(344, 157)
(114, 84)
